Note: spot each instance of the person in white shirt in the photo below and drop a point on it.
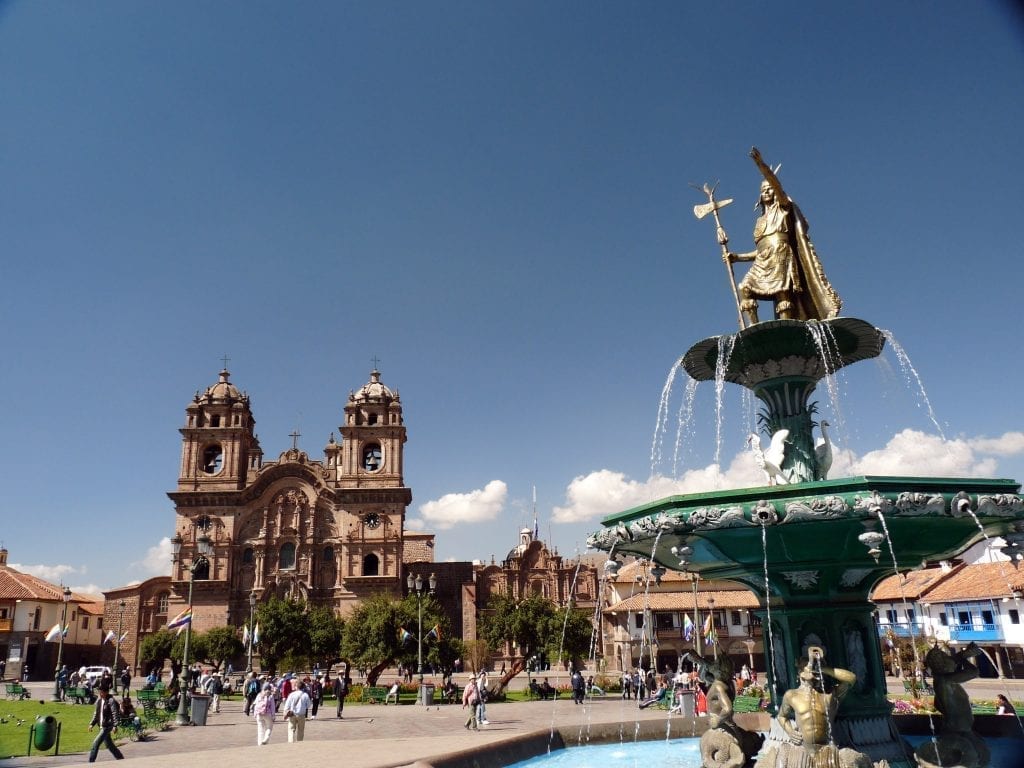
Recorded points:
(481, 689)
(296, 707)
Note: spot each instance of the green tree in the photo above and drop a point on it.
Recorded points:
(155, 648)
(325, 632)
(222, 645)
(197, 650)
(370, 640)
(526, 623)
(284, 630)
(570, 636)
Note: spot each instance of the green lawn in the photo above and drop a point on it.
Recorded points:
(74, 719)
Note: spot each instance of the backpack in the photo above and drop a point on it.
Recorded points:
(267, 707)
(252, 688)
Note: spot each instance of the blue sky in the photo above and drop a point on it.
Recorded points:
(494, 200)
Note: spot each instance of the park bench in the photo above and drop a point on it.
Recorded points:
(130, 728)
(80, 695)
(374, 695)
(154, 705)
(746, 704)
(16, 691)
(453, 696)
(983, 709)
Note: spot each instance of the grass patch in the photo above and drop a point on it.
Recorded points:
(74, 719)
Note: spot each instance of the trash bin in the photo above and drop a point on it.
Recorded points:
(686, 702)
(44, 732)
(200, 708)
(427, 694)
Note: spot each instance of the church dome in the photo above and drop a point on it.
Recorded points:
(223, 391)
(373, 391)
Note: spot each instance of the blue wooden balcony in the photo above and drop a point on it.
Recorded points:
(900, 630)
(979, 633)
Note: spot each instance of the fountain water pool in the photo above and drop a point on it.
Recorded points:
(685, 753)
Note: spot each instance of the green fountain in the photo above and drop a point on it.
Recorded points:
(811, 548)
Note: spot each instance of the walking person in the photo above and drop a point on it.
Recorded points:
(342, 683)
(250, 691)
(105, 716)
(316, 696)
(578, 687)
(471, 699)
(264, 710)
(481, 692)
(126, 682)
(296, 707)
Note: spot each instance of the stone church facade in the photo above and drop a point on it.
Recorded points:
(329, 531)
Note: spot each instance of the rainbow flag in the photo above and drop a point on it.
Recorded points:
(404, 636)
(687, 627)
(180, 621)
(53, 634)
(109, 637)
(434, 633)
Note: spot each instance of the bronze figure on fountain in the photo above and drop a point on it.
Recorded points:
(786, 269)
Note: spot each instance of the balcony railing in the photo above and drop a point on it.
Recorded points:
(979, 633)
(988, 633)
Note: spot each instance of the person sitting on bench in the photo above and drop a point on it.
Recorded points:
(392, 693)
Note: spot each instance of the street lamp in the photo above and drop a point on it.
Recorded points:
(117, 641)
(416, 585)
(252, 609)
(714, 632)
(66, 597)
(204, 548)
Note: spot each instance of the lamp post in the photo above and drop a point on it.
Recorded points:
(416, 585)
(66, 598)
(252, 609)
(714, 632)
(117, 641)
(204, 548)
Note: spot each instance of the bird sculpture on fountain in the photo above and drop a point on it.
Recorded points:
(823, 452)
(770, 461)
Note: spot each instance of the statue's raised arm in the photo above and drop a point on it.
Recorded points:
(786, 269)
(770, 177)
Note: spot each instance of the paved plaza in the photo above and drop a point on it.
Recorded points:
(377, 736)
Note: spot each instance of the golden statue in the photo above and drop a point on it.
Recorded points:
(786, 268)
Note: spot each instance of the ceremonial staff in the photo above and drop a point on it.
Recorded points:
(712, 207)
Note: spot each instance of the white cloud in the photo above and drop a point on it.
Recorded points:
(474, 507)
(156, 561)
(605, 492)
(51, 573)
(1008, 444)
(910, 452)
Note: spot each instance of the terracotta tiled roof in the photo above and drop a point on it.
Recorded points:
(982, 580)
(15, 585)
(915, 584)
(683, 601)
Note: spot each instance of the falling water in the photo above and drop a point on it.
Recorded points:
(726, 344)
(828, 350)
(683, 425)
(909, 372)
(662, 420)
(913, 638)
(768, 619)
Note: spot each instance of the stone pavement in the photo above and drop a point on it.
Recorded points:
(376, 736)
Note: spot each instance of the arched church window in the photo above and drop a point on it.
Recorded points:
(371, 457)
(371, 565)
(287, 557)
(328, 557)
(203, 570)
(213, 459)
(248, 556)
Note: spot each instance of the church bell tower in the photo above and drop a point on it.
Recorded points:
(218, 443)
